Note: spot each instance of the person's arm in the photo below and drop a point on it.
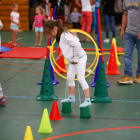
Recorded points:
(124, 23)
(78, 3)
(11, 19)
(0, 1)
(33, 26)
(70, 3)
(49, 8)
(116, 5)
(57, 59)
(92, 2)
(65, 12)
(103, 2)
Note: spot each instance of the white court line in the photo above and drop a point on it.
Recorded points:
(16, 40)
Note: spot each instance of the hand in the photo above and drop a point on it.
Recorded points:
(57, 59)
(73, 62)
(46, 20)
(33, 29)
(17, 24)
(0, 2)
(122, 34)
(65, 18)
(139, 36)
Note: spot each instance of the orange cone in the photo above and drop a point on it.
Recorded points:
(61, 62)
(55, 112)
(112, 65)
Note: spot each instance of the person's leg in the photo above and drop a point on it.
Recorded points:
(40, 33)
(83, 24)
(71, 83)
(89, 23)
(111, 21)
(129, 42)
(68, 14)
(81, 67)
(106, 18)
(36, 38)
(93, 24)
(13, 37)
(138, 50)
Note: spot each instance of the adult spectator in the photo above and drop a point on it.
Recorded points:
(86, 16)
(109, 13)
(131, 36)
(61, 12)
(68, 6)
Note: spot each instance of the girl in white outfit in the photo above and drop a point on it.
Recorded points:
(74, 53)
(14, 18)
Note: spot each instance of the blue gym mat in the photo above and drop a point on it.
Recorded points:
(5, 49)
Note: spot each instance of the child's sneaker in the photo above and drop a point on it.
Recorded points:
(70, 99)
(85, 103)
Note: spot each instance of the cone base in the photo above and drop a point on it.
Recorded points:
(60, 71)
(93, 84)
(66, 107)
(54, 119)
(55, 82)
(39, 83)
(41, 97)
(84, 112)
(96, 99)
(108, 72)
(45, 131)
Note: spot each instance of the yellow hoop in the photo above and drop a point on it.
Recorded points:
(94, 62)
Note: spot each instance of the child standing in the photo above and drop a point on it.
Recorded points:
(38, 24)
(75, 18)
(14, 18)
(74, 53)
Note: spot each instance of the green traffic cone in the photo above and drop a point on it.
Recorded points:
(47, 91)
(84, 112)
(66, 107)
(101, 92)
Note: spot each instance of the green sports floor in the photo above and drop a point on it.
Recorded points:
(119, 120)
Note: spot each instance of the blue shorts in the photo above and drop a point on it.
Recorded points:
(38, 29)
(14, 27)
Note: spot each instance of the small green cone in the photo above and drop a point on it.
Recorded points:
(84, 112)
(101, 92)
(66, 107)
(47, 91)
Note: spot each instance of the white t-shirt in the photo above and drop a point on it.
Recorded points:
(15, 17)
(86, 6)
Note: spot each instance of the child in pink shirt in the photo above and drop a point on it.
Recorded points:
(38, 24)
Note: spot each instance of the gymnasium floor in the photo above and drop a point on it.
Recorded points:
(119, 120)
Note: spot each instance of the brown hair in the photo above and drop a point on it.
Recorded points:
(14, 4)
(42, 10)
(49, 26)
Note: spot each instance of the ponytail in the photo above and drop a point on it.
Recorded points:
(49, 26)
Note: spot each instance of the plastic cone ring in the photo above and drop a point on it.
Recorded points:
(94, 62)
